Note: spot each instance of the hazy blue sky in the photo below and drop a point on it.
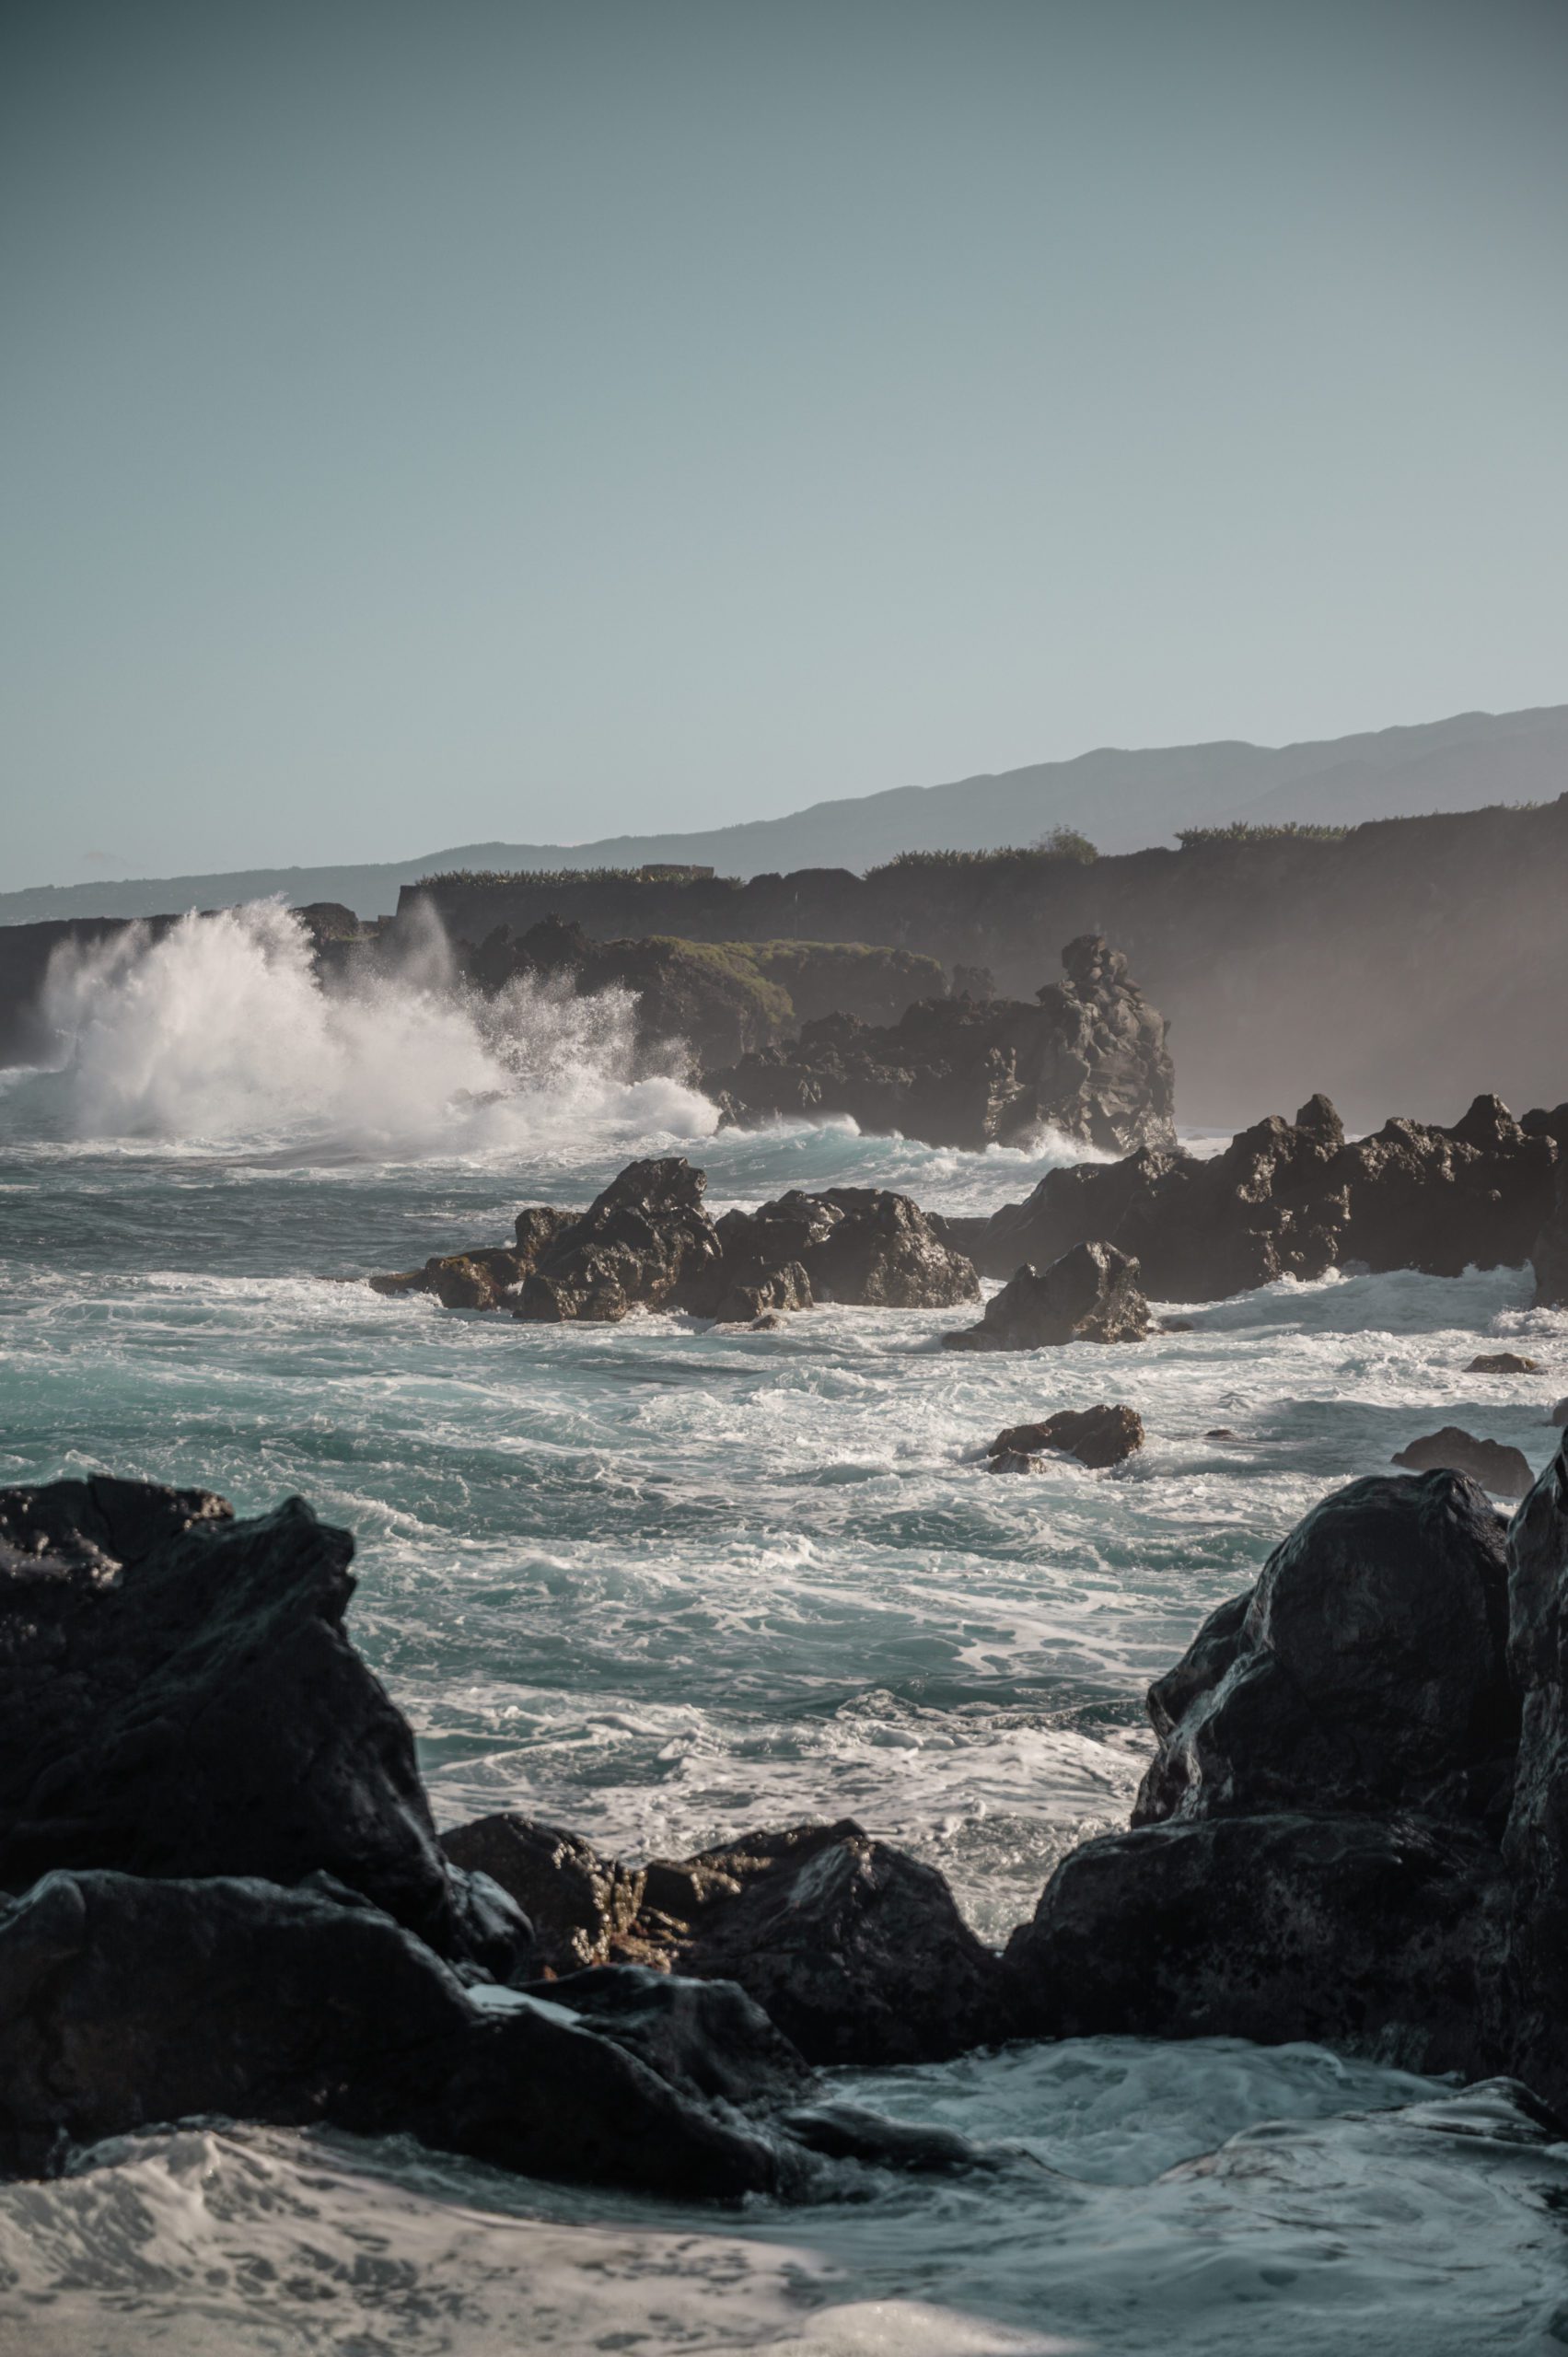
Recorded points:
(425, 424)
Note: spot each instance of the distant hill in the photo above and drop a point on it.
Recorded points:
(1123, 801)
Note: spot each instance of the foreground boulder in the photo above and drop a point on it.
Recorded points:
(1091, 1295)
(1096, 1436)
(648, 1242)
(126, 2002)
(1087, 1058)
(855, 1951)
(181, 1699)
(1293, 1200)
(1355, 1827)
(1504, 1472)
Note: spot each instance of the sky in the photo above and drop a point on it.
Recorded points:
(424, 425)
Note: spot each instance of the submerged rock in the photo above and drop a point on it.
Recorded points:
(1088, 1059)
(1504, 1472)
(1096, 1436)
(1292, 1200)
(1503, 1363)
(1091, 1295)
(181, 1699)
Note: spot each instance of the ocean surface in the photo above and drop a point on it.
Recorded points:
(665, 1584)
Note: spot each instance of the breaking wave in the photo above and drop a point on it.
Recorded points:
(220, 1030)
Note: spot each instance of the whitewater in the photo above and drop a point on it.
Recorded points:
(664, 1583)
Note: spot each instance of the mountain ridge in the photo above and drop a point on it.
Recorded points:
(1123, 798)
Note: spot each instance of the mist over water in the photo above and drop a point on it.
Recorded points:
(664, 1583)
(220, 1031)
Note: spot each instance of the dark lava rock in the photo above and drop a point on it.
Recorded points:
(1292, 1198)
(860, 1246)
(1364, 1670)
(181, 1699)
(1535, 1842)
(1090, 1059)
(1502, 1470)
(125, 2002)
(1503, 1363)
(1548, 1252)
(1091, 1295)
(637, 1246)
(1357, 1827)
(1560, 1413)
(1371, 1932)
(708, 2038)
(1219, 1432)
(1096, 1436)
(855, 1951)
(486, 1276)
(578, 1902)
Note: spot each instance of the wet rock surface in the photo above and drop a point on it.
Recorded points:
(1096, 1436)
(1088, 1058)
(648, 1242)
(1355, 1827)
(1504, 1472)
(854, 1950)
(1091, 1295)
(182, 1698)
(1293, 1199)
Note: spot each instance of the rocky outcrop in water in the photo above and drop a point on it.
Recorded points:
(1489, 1463)
(1088, 1059)
(1091, 1295)
(1355, 1827)
(1098, 1437)
(855, 1951)
(648, 1243)
(1293, 1199)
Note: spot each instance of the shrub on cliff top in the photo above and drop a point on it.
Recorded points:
(1060, 844)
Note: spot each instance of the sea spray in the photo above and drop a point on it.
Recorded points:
(220, 1030)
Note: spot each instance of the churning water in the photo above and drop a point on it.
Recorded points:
(664, 1583)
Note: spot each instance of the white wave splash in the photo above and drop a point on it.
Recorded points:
(220, 1030)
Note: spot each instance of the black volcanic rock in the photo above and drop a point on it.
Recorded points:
(1356, 1826)
(578, 1902)
(855, 1951)
(1292, 1198)
(860, 1246)
(641, 1243)
(1090, 1295)
(1088, 1059)
(1504, 1472)
(1503, 1363)
(1360, 1931)
(125, 2002)
(1365, 1669)
(181, 1699)
(648, 1242)
(1548, 1252)
(1096, 1436)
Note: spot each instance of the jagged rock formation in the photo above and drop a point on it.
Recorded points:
(1091, 1295)
(1096, 1436)
(1548, 1253)
(1489, 1463)
(1355, 1827)
(226, 1897)
(1088, 1059)
(1293, 1199)
(856, 1952)
(182, 1698)
(648, 1243)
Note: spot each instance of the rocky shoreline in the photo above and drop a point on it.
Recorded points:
(226, 1894)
